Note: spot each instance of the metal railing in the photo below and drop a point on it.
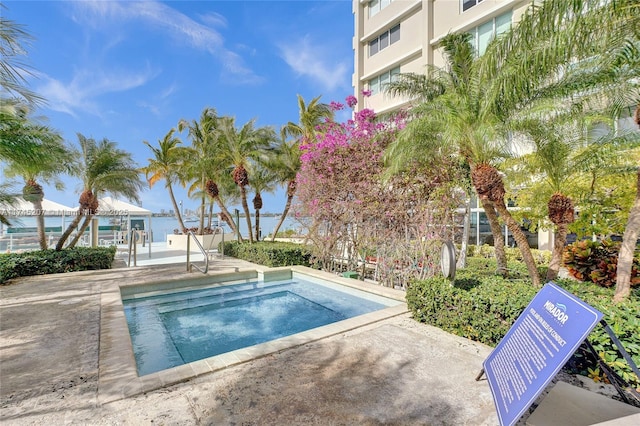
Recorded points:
(132, 247)
(190, 265)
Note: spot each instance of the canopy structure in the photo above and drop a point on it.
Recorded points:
(109, 206)
(25, 208)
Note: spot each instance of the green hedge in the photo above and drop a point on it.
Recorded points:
(542, 257)
(482, 306)
(269, 254)
(13, 265)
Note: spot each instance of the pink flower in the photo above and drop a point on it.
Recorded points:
(351, 101)
(336, 106)
(366, 93)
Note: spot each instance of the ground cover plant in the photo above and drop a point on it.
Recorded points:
(482, 306)
(40, 262)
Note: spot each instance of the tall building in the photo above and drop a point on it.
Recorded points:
(401, 36)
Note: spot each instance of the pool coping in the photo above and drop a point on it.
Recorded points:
(118, 377)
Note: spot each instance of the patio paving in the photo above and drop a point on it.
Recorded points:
(53, 336)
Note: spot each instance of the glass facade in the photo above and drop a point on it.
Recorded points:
(484, 33)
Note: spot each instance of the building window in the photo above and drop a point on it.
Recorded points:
(376, 6)
(484, 33)
(377, 84)
(384, 40)
(468, 4)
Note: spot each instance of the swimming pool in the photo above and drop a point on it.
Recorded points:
(170, 328)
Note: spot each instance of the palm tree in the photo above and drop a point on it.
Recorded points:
(213, 187)
(103, 168)
(26, 146)
(285, 163)
(285, 160)
(240, 147)
(448, 114)
(167, 160)
(13, 72)
(524, 65)
(565, 149)
(311, 116)
(562, 57)
(263, 179)
(52, 160)
(202, 157)
(15, 101)
(629, 238)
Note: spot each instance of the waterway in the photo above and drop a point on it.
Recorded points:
(161, 226)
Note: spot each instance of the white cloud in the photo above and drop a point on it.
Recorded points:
(78, 94)
(177, 25)
(307, 59)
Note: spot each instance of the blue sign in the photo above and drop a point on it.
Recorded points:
(535, 348)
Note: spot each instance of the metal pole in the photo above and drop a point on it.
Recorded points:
(188, 250)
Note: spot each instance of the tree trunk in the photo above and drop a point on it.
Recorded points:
(42, 236)
(462, 256)
(498, 236)
(625, 256)
(521, 241)
(175, 208)
(257, 224)
(232, 224)
(247, 214)
(72, 226)
(558, 248)
(203, 204)
(210, 215)
(287, 206)
(85, 224)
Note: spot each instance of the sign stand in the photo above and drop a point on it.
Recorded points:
(612, 376)
(543, 338)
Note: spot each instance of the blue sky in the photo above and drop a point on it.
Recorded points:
(129, 71)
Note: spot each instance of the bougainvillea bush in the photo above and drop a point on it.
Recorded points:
(358, 213)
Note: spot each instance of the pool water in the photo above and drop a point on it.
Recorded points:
(176, 328)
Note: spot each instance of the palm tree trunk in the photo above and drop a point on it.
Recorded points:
(42, 237)
(232, 224)
(625, 256)
(257, 224)
(175, 208)
(498, 236)
(521, 241)
(558, 248)
(245, 207)
(210, 219)
(85, 224)
(203, 203)
(72, 226)
(287, 206)
(462, 257)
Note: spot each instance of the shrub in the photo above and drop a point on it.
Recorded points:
(13, 265)
(597, 262)
(542, 257)
(482, 306)
(268, 253)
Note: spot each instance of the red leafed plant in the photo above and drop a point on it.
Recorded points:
(596, 261)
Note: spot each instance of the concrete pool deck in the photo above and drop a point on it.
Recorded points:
(63, 362)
